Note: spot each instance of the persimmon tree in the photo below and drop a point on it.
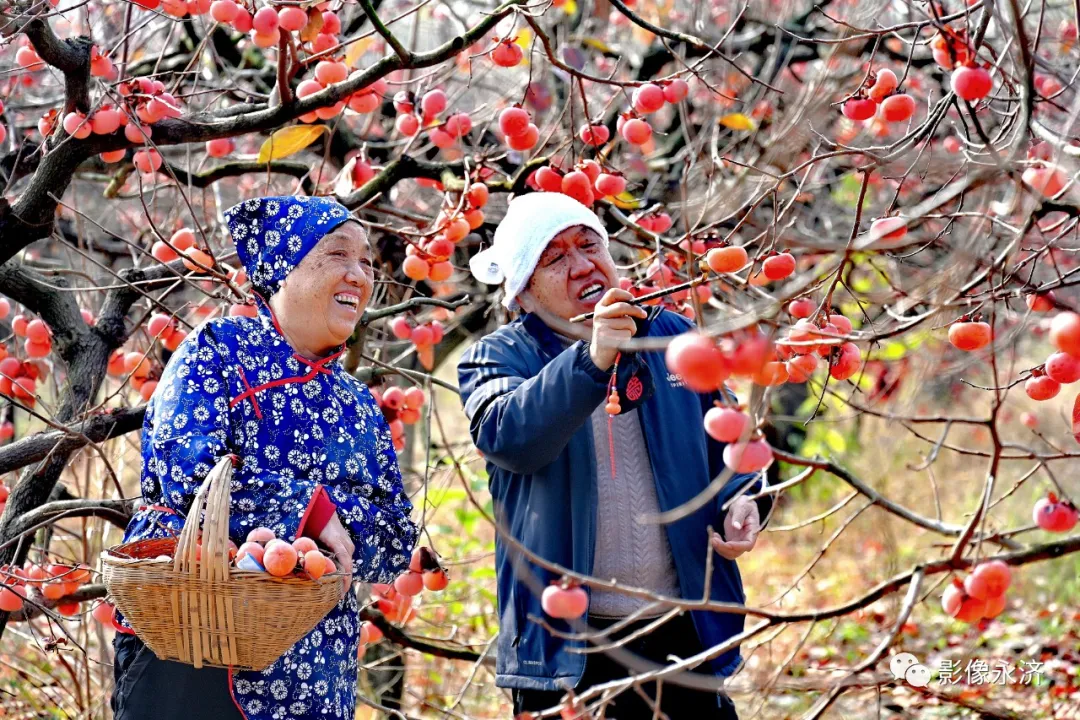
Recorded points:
(841, 195)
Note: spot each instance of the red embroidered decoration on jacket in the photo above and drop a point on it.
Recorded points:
(315, 368)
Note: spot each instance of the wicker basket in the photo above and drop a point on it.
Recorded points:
(204, 613)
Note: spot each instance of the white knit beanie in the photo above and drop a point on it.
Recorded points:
(531, 222)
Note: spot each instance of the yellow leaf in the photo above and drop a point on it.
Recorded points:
(738, 121)
(524, 39)
(357, 50)
(288, 141)
(625, 201)
(570, 7)
(597, 45)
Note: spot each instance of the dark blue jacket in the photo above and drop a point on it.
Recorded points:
(528, 401)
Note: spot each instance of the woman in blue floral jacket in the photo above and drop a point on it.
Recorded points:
(316, 458)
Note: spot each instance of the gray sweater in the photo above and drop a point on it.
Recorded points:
(627, 550)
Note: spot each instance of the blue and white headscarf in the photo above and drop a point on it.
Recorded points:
(273, 234)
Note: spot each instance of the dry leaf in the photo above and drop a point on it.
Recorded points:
(426, 355)
(641, 35)
(738, 121)
(288, 141)
(357, 50)
(343, 183)
(314, 25)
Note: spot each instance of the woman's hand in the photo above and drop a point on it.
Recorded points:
(337, 539)
(741, 527)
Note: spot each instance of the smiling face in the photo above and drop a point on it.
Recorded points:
(321, 300)
(572, 275)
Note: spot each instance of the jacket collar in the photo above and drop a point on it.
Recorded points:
(270, 324)
(544, 335)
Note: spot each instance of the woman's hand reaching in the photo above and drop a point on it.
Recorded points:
(335, 537)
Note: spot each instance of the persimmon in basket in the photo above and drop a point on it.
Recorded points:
(281, 559)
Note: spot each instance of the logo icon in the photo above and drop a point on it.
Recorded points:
(633, 389)
(905, 666)
(918, 675)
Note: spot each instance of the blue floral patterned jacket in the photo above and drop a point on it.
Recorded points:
(236, 386)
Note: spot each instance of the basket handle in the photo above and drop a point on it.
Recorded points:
(213, 494)
(209, 615)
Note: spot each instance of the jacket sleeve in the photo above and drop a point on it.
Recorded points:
(376, 510)
(191, 431)
(522, 423)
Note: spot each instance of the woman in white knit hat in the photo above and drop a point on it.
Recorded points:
(574, 484)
